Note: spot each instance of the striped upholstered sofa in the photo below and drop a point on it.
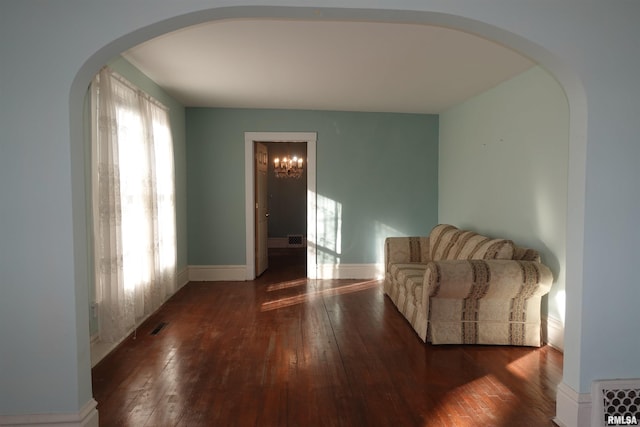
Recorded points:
(458, 287)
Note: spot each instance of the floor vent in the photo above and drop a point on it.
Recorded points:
(295, 240)
(615, 402)
(158, 328)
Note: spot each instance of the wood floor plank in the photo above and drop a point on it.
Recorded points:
(286, 351)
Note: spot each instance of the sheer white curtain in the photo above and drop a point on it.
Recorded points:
(133, 204)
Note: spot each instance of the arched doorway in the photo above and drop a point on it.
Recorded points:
(568, 80)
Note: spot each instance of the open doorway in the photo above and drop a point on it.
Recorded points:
(290, 230)
(281, 206)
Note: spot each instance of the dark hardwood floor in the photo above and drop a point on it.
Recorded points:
(286, 351)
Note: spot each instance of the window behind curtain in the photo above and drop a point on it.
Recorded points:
(133, 204)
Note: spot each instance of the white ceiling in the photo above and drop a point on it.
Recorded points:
(325, 65)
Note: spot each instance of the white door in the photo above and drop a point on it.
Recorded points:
(262, 212)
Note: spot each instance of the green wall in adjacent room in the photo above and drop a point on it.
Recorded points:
(504, 158)
(376, 176)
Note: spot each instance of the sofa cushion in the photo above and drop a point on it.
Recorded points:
(447, 242)
(526, 254)
(400, 273)
(410, 278)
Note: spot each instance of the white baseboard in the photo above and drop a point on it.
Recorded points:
(85, 417)
(183, 277)
(350, 271)
(573, 409)
(553, 332)
(99, 349)
(213, 273)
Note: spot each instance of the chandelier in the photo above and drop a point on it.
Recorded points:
(288, 167)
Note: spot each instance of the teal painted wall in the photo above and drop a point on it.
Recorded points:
(177, 118)
(503, 169)
(376, 175)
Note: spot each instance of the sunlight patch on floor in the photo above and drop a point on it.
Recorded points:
(522, 366)
(475, 400)
(287, 285)
(310, 296)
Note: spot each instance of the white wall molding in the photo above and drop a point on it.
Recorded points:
(350, 271)
(183, 277)
(233, 273)
(213, 273)
(573, 409)
(85, 417)
(553, 332)
(100, 349)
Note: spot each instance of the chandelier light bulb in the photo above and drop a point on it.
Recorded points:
(288, 167)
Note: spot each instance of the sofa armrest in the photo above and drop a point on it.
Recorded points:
(402, 250)
(487, 279)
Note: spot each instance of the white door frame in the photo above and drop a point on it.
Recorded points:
(310, 138)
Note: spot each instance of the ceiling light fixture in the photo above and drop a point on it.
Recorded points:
(288, 167)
